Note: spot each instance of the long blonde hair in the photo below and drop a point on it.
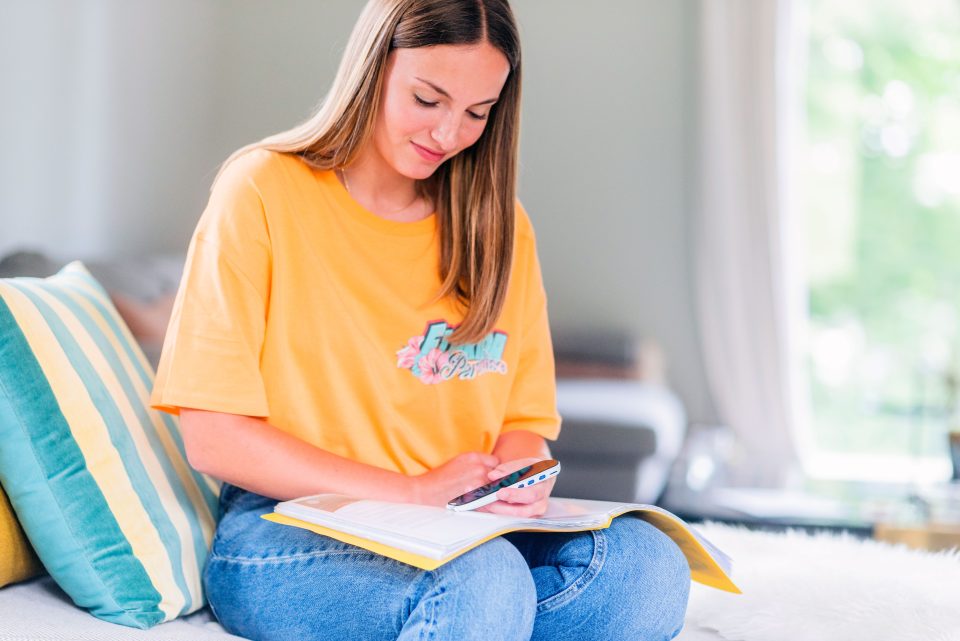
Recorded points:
(474, 193)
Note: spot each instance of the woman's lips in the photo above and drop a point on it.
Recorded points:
(426, 154)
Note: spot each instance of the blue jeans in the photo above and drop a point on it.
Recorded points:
(269, 582)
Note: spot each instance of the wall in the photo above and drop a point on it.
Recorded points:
(105, 118)
(116, 114)
(607, 170)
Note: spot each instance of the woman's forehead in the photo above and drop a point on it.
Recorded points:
(468, 73)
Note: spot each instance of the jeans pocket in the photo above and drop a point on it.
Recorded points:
(578, 577)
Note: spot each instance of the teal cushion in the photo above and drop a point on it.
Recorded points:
(99, 481)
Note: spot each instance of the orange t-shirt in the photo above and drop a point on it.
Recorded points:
(299, 305)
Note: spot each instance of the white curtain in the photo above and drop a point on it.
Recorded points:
(747, 298)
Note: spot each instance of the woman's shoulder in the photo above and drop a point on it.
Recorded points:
(243, 190)
(257, 164)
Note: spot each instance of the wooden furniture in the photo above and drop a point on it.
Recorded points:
(930, 536)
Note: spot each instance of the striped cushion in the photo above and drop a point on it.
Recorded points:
(99, 480)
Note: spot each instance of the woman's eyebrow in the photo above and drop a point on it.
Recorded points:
(440, 91)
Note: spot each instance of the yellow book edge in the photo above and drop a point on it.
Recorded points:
(703, 568)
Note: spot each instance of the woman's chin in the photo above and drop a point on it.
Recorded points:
(418, 168)
(420, 171)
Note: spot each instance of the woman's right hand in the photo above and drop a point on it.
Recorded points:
(460, 474)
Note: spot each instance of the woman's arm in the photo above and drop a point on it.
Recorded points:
(252, 454)
(520, 444)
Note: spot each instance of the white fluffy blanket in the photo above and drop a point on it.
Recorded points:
(827, 587)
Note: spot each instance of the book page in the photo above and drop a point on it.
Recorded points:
(421, 521)
(576, 513)
(435, 527)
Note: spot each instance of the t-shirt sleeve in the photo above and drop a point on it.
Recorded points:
(532, 403)
(211, 352)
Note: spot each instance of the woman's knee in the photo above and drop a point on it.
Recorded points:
(492, 587)
(635, 587)
(656, 571)
(299, 592)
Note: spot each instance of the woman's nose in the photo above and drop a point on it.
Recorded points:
(445, 132)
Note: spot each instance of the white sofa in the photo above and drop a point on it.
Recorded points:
(37, 610)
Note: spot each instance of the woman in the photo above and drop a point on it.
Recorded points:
(362, 313)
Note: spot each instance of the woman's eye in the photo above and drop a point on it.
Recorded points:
(426, 103)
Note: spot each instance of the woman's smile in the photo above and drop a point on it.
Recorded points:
(428, 154)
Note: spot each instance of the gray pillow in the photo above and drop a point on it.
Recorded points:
(141, 287)
(142, 278)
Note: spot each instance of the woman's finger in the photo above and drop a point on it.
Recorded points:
(524, 495)
(517, 509)
(515, 497)
(508, 467)
(496, 473)
(509, 509)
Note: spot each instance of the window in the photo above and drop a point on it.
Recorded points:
(880, 164)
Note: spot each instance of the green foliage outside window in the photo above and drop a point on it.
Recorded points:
(881, 203)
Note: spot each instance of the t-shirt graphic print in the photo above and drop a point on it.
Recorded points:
(432, 359)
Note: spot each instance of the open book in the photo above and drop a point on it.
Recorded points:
(427, 537)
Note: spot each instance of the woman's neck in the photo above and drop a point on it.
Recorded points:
(384, 191)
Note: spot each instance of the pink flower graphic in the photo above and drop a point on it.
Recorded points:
(430, 366)
(407, 356)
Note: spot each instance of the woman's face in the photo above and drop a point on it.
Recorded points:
(435, 103)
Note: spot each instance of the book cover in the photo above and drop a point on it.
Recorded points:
(427, 536)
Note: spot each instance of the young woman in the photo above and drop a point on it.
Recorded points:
(362, 313)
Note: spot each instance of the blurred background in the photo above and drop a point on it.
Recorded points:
(746, 210)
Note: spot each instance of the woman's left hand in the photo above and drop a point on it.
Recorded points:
(523, 502)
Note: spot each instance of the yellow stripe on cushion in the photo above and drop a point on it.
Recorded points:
(93, 438)
(212, 485)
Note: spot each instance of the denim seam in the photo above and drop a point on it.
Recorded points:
(213, 610)
(571, 592)
(431, 616)
(249, 560)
